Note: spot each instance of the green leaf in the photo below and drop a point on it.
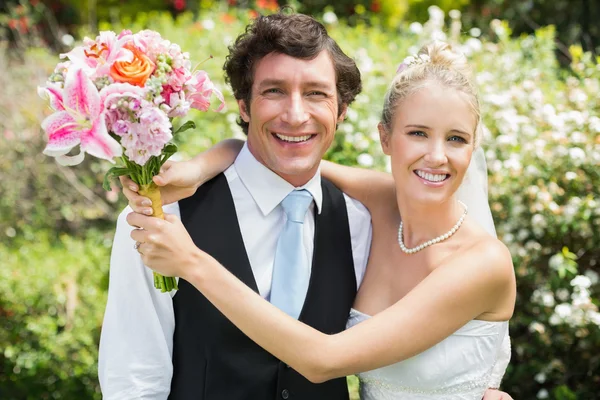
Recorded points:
(114, 172)
(168, 151)
(185, 127)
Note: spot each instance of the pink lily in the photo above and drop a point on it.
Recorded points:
(202, 89)
(81, 122)
(52, 93)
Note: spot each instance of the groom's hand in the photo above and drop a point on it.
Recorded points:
(176, 180)
(164, 245)
(495, 394)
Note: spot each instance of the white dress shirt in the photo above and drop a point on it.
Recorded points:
(136, 344)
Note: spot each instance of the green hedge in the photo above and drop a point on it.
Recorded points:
(543, 151)
(51, 306)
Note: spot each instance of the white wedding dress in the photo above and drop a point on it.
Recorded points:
(461, 367)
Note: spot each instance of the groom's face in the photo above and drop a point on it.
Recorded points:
(293, 114)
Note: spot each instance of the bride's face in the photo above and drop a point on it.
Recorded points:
(430, 143)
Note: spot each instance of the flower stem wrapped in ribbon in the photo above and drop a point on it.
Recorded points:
(115, 97)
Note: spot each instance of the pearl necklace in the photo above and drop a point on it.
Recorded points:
(432, 241)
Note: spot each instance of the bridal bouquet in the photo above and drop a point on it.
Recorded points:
(114, 98)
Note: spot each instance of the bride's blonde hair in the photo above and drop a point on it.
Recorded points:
(438, 62)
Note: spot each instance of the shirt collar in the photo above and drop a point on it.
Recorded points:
(266, 187)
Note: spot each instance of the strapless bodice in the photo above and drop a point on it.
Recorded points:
(458, 368)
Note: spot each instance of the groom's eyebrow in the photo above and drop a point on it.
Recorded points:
(325, 85)
(271, 82)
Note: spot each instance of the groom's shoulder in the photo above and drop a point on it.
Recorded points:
(356, 208)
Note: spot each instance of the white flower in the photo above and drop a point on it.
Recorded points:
(474, 44)
(577, 154)
(544, 297)
(330, 18)
(578, 96)
(435, 13)
(594, 124)
(416, 28)
(438, 35)
(578, 137)
(594, 317)
(555, 320)
(454, 14)
(366, 160)
(593, 275)
(563, 310)
(537, 327)
(540, 377)
(562, 294)
(496, 25)
(556, 261)
(522, 234)
(570, 175)
(208, 24)
(475, 32)
(512, 163)
(581, 281)
(232, 118)
(67, 40)
(351, 114)
(542, 394)
(581, 297)
(532, 170)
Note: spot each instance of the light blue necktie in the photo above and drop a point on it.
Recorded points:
(290, 269)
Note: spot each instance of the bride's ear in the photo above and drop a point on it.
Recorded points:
(384, 137)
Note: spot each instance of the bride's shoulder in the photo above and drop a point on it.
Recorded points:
(490, 257)
(491, 247)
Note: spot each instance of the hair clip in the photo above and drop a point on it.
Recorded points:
(413, 60)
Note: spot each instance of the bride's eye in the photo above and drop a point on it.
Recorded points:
(417, 133)
(458, 139)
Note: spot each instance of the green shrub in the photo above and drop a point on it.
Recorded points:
(52, 297)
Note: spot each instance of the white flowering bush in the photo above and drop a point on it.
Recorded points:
(543, 150)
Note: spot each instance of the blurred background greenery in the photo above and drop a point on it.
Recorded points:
(538, 74)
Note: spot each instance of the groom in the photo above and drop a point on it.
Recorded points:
(293, 85)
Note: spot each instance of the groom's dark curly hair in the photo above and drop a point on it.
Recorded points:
(295, 35)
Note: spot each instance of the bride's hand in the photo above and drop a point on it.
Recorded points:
(165, 245)
(176, 180)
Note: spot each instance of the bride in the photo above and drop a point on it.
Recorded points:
(430, 320)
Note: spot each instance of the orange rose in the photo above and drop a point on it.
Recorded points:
(135, 72)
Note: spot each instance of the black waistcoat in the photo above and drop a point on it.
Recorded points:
(214, 360)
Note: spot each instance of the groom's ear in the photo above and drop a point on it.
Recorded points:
(342, 113)
(244, 111)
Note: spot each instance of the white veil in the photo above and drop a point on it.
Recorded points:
(474, 191)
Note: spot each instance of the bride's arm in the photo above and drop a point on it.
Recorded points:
(436, 308)
(374, 189)
(442, 303)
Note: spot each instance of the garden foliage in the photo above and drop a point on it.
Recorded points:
(543, 150)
